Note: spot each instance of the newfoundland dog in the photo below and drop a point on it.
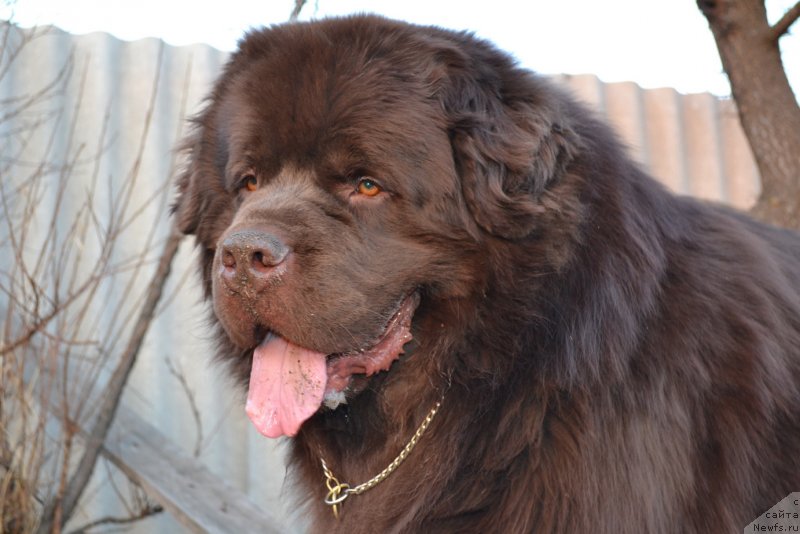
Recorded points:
(446, 280)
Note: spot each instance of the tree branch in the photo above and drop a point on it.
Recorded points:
(782, 26)
(198, 421)
(298, 7)
(147, 511)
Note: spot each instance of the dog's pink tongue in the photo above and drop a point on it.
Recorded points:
(287, 384)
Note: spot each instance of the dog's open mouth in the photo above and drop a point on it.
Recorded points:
(289, 383)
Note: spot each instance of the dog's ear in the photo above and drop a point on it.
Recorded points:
(188, 204)
(192, 203)
(509, 138)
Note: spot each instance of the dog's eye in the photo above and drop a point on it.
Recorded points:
(368, 187)
(250, 182)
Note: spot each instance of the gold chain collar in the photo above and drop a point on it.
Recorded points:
(339, 491)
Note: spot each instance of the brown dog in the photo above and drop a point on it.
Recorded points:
(393, 216)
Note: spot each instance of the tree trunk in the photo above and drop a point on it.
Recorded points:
(768, 110)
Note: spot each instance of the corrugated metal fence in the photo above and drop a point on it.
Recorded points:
(108, 115)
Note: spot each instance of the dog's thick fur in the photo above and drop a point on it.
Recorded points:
(612, 358)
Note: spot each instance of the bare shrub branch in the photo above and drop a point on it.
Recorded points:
(59, 331)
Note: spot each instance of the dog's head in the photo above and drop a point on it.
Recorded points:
(347, 174)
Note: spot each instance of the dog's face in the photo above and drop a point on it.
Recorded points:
(335, 180)
(330, 191)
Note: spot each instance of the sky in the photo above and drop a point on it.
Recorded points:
(655, 43)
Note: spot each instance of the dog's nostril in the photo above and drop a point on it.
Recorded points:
(260, 262)
(228, 259)
(269, 253)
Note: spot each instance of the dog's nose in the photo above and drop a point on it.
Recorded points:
(252, 256)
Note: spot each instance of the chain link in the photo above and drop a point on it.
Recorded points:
(339, 491)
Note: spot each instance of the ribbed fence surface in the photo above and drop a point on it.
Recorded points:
(108, 115)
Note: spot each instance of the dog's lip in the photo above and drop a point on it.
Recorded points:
(378, 356)
(405, 306)
(369, 358)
